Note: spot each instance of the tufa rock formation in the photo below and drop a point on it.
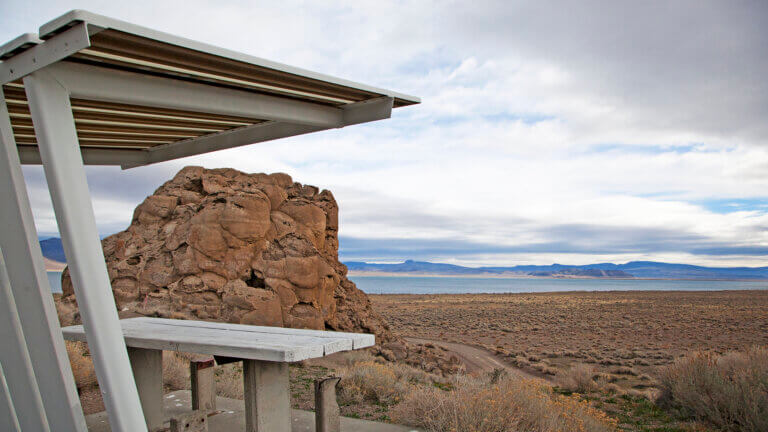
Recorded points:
(222, 245)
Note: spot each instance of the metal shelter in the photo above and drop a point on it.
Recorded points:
(91, 90)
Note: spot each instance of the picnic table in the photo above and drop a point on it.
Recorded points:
(264, 351)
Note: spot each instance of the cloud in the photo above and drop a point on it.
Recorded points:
(549, 131)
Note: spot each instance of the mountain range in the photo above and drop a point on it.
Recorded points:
(633, 269)
(53, 250)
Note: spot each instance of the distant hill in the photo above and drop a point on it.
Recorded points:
(53, 249)
(637, 269)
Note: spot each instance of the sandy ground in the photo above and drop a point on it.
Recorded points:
(545, 333)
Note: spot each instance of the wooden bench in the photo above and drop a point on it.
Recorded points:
(265, 352)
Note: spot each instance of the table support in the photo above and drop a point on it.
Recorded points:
(327, 413)
(147, 366)
(203, 380)
(267, 396)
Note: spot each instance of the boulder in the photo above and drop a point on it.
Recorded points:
(223, 245)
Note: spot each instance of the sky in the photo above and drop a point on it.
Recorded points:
(568, 132)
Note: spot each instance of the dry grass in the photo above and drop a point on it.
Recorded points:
(729, 391)
(175, 367)
(503, 405)
(176, 370)
(384, 383)
(580, 378)
(82, 366)
(229, 381)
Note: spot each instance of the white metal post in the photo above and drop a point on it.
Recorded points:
(62, 161)
(14, 358)
(8, 420)
(32, 292)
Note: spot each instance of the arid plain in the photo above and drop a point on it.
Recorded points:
(626, 335)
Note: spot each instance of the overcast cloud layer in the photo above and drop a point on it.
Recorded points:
(569, 132)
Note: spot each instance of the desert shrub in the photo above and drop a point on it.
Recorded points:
(508, 405)
(579, 378)
(349, 358)
(728, 391)
(176, 370)
(82, 366)
(380, 382)
(229, 380)
(372, 381)
(624, 370)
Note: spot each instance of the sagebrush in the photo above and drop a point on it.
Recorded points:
(729, 391)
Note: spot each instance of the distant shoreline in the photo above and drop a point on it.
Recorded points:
(358, 273)
(54, 266)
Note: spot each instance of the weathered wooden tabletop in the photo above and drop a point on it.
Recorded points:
(276, 344)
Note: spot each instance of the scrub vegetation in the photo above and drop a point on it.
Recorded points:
(657, 362)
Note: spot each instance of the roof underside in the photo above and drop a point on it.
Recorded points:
(114, 48)
(109, 125)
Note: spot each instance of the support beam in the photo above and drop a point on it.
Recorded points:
(267, 396)
(203, 383)
(368, 110)
(375, 109)
(147, 366)
(8, 420)
(57, 139)
(14, 358)
(229, 139)
(91, 156)
(31, 290)
(39, 56)
(111, 85)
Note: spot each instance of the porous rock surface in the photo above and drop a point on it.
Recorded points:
(223, 245)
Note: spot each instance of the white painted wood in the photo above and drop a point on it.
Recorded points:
(14, 358)
(57, 139)
(266, 388)
(32, 291)
(8, 420)
(233, 340)
(147, 366)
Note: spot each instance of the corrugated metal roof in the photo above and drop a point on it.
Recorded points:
(113, 45)
(105, 124)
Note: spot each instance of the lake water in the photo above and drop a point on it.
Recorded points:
(458, 285)
(54, 278)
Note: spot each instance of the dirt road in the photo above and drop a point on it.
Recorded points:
(477, 360)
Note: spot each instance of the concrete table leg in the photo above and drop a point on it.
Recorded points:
(147, 365)
(327, 412)
(267, 396)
